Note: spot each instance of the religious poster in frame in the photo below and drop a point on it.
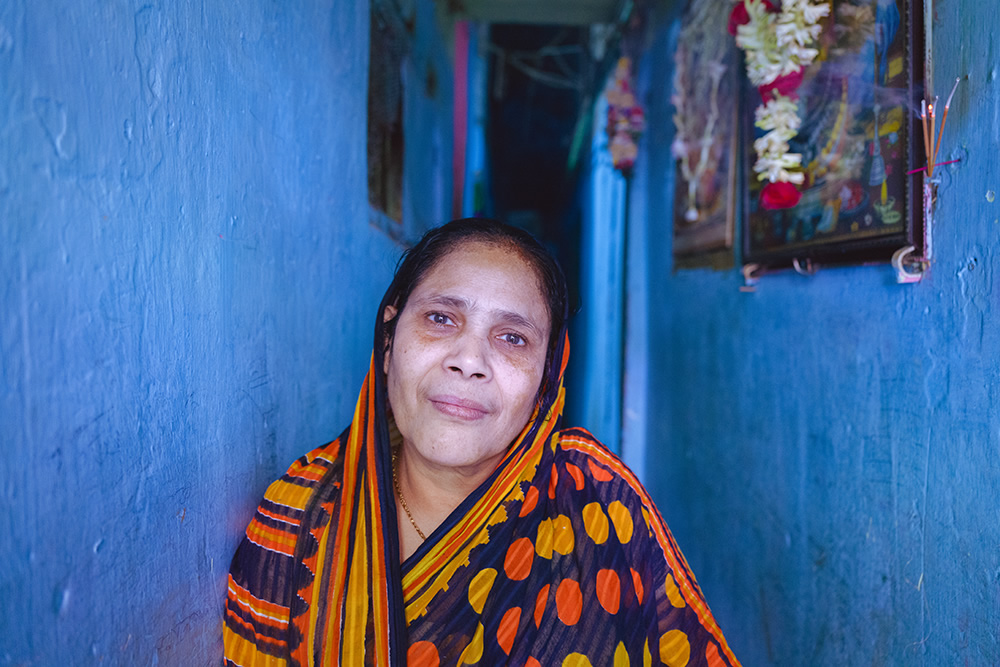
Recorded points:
(705, 147)
(840, 192)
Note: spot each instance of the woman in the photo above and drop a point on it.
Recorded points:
(452, 522)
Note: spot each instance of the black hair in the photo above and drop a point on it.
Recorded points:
(438, 242)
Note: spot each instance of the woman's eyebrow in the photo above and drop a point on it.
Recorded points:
(517, 320)
(445, 300)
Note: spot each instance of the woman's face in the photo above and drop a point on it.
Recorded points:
(467, 357)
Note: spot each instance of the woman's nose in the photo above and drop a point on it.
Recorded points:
(468, 356)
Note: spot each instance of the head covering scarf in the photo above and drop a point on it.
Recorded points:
(558, 558)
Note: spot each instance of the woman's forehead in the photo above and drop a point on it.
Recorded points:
(478, 275)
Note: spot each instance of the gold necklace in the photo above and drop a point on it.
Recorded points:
(399, 494)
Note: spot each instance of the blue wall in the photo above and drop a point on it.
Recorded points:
(188, 279)
(827, 450)
(594, 376)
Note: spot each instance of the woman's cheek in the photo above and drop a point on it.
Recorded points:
(525, 362)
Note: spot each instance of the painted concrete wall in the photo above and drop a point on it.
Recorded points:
(187, 284)
(827, 450)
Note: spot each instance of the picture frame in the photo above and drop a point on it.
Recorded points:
(860, 140)
(706, 145)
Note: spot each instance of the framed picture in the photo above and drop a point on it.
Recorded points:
(706, 143)
(859, 138)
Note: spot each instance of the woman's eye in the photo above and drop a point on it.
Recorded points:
(513, 339)
(439, 318)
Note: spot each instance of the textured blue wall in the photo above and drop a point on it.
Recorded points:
(187, 285)
(827, 450)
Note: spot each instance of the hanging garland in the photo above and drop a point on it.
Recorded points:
(626, 119)
(779, 43)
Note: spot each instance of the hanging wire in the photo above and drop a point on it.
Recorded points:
(530, 63)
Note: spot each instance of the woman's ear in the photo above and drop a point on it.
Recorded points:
(387, 316)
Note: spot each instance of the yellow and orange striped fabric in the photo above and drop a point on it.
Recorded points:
(560, 558)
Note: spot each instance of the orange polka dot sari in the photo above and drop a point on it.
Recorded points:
(559, 558)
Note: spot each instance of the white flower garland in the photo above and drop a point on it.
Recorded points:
(776, 45)
(774, 161)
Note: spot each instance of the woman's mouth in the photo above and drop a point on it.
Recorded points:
(461, 408)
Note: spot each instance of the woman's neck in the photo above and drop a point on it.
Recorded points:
(431, 493)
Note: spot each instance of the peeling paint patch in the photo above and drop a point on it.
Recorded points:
(60, 601)
(52, 116)
(150, 35)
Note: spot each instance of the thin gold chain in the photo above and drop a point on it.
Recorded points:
(399, 494)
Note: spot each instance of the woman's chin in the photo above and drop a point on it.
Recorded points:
(460, 451)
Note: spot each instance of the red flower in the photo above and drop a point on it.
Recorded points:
(783, 85)
(739, 16)
(779, 195)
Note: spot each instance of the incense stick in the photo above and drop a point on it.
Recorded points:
(932, 112)
(927, 141)
(939, 164)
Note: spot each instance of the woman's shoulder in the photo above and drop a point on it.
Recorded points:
(277, 522)
(306, 474)
(626, 502)
(599, 476)
(578, 449)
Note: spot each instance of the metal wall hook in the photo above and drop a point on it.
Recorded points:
(809, 270)
(750, 279)
(903, 274)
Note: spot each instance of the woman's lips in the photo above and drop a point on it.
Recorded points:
(462, 408)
